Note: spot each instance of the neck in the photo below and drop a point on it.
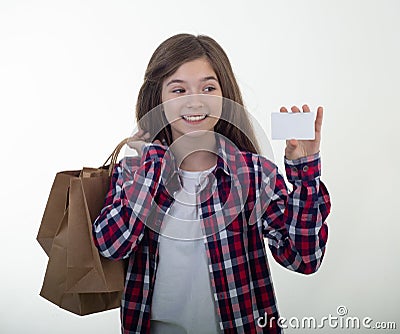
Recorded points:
(196, 153)
(199, 161)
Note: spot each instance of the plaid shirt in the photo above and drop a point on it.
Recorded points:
(249, 202)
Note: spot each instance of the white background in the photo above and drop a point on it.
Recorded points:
(69, 77)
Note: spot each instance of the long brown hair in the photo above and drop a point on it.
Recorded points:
(166, 59)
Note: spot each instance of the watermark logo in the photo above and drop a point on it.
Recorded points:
(340, 320)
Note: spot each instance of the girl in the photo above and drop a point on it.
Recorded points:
(219, 282)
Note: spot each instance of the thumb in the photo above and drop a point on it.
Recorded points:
(292, 143)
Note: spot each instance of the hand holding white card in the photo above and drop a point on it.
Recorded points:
(292, 125)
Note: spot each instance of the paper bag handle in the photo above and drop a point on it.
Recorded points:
(114, 155)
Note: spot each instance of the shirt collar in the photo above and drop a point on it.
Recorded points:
(226, 153)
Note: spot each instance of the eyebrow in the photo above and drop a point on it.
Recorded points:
(211, 77)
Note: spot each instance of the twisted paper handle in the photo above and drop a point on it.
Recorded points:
(114, 155)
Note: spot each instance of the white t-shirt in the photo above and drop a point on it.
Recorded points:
(182, 297)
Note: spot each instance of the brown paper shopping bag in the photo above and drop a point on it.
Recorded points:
(55, 209)
(77, 278)
(54, 286)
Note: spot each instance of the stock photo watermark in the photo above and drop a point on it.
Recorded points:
(340, 320)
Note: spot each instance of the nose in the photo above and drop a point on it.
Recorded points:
(194, 101)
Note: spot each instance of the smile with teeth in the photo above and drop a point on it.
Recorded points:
(194, 118)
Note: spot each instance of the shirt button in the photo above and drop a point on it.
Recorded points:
(305, 168)
(294, 169)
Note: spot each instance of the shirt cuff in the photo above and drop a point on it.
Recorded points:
(305, 168)
(157, 154)
(151, 151)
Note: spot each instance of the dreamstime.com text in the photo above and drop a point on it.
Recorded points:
(341, 320)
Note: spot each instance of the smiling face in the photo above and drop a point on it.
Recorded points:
(192, 98)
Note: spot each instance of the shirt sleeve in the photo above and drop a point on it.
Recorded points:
(295, 222)
(119, 228)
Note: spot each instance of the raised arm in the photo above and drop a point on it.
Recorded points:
(295, 222)
(120, 226)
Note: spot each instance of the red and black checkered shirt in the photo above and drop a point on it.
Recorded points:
(247, 201)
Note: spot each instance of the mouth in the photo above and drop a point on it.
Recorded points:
(194, 118)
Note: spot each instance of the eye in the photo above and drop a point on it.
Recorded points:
(178, 90)
(209, 89)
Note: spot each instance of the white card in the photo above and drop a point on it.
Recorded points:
(292, 125)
